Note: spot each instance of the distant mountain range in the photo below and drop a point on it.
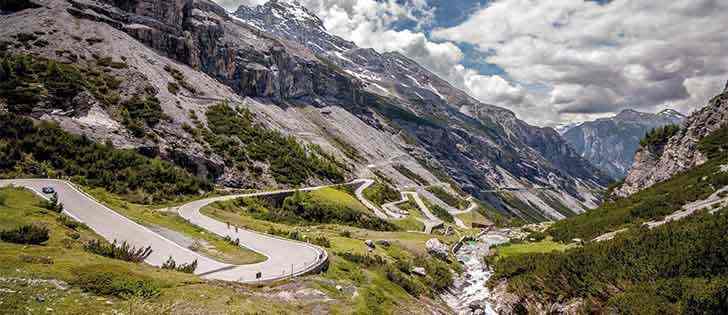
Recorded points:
(611, 143)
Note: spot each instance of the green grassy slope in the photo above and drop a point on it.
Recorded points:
(327, 205)
(680, 267)
(654, 202)
(675, 268)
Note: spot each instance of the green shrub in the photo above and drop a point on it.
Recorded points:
(442, 213)
(140, 111)
(412, 287)
(715, 145)
(447, 198)
(651, 203)
(116, 281)
(536, 236)
(180, 79)
(173, 88)
(70, 223)
(439, 277)
(659, 136)
(124, 251)
(380, 193)
(302, 207)
(186, 268)
(364, 260)
(410, 174)
(665, 268)
(26, 81)
(321, 240)
(26, 234)
(53, 205)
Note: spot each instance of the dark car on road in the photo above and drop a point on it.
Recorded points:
(48, 190)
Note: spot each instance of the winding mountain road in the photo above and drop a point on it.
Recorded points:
(359, 192)
(286, 258)
(432, 220)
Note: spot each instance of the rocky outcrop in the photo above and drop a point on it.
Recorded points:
(437, 249)
(611, 143)
(680, 153)
(506, 302)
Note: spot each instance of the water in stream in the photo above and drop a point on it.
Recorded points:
(469, 295)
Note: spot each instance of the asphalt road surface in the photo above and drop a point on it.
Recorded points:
(285, 257)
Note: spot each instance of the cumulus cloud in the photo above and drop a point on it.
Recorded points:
(597, 59)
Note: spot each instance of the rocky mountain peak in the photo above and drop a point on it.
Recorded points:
(671, 114)
(292, 10)
(291, 20)
(631, 114)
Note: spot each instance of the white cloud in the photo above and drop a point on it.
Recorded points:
(370, 24)
(597, 59)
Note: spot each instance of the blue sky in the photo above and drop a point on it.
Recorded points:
(550, 61)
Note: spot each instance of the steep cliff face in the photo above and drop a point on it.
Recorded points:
(611, 143)
(680, 152)
(376, 113)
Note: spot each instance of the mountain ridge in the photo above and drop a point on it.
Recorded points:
(611, 143)
(677, 153)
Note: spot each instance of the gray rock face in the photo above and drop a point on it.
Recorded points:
(681, 151)
(611, 143)
(420, 271)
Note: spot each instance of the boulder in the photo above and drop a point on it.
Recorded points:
(420, 271)
(476, 306)
(449, 230)
(384, 243)
(436, 248)
(370, 244)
